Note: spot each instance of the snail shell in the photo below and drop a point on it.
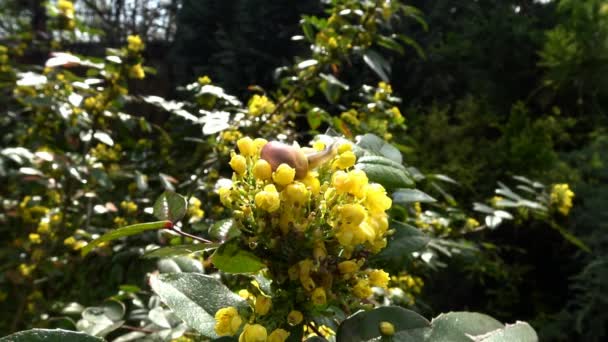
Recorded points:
(277, 153)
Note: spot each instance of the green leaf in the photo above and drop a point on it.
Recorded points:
(571, 238)
(180, 264)
(365, 325)
(390, 44)
(195, 298)
(520, 332)
(405, 196)
(384, 171)
(454, 326)
(125, 231)
(374, 145)
(170, 206)
(378, 64)
(409, 41)
(231, 258)
(402, 243)
(224, 230)
(178, 250)
(316, 116)
(50, 335)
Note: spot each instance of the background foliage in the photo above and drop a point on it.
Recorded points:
(487, 91)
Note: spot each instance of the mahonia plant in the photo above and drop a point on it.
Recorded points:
(314, 230)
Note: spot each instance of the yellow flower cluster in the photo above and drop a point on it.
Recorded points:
(204, 80)
(194, 209)
(66, 8)
(561, 196)
(66, 14)
(137, 71)
(4, 66)
(406, 285)
(326, 222)
(259, 105)
(228, 322)
(129, 207)
(134, 43)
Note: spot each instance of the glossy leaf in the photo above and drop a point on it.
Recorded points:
(365, 325)
(125, 231)
(224, 230)
(405, 241)
(455, 326)
(378, 64)
(405, 196)
(384, 171)
(170, 206)
(231, 258)
(50, 335)
(195, 298)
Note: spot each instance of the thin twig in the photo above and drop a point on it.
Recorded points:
(194, 237)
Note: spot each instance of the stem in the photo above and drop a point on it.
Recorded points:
(194, 237)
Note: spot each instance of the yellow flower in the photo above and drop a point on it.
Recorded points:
(246, 147)
(295, 193)
(253, 333)
(284, 174)
(471, 223)
(278, 335)
(128, 206)
(312, 182)
(70, 241)
(268, 199)
(348, 266)
(351, 214)
(332, 43)
(66, 8)
(561, 197)
(345, 147)
(262, 305)
(387, 328)
(376, 199)
(204, 80)
(231, 135)
(194, 208)
(362, 289)
(259, 143)
(224, 193)
(35, 238)
(345, 160)
(134, 43)
(238, 163)
(259, 105)
(244, 294)
(385, 87)
(137, 72)
(295, 317)
(26, 270)
(351, 182)
(227, 321)
(262, 170)
(318, 296)
(378, 278)
(43, 226)
(397, 115)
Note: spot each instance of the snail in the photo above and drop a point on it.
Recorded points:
(277, 153)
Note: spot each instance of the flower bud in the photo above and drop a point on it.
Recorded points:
(246, 146)
(238, 164)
